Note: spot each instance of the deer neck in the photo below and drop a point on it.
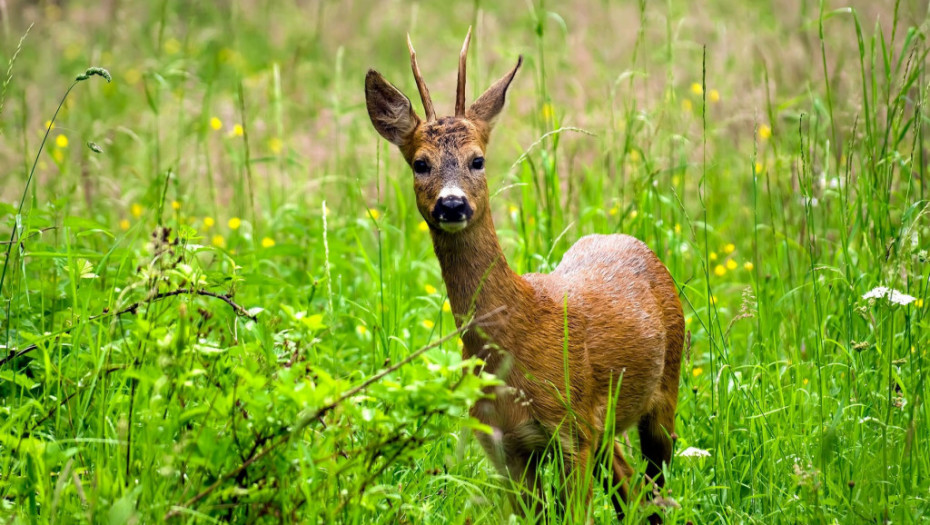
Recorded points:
(477, 276)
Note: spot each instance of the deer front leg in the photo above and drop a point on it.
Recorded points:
(520, 468)
(525, 491)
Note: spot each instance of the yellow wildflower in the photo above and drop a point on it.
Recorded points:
(765, 132)
(267, 242)
(919, 303)
(805, 381)
(375, 214)
(361, 330)
(275, 145)
(136, 210)
(430, 289)
(234, 223)
(713, 95)
(713, 256)
(49, 125)
(697, 89)
(748, 266)
(446, 307)
(686, 106)
(58, 156)
(237, 131)
(172, 46)
(731, 264)
(613, 211)
(759, 168)
(61, 141)
(423, 227)
(633, 214)
(697, 371)
(547, 112)
(132, 76)
(216, 124)
(219, 241)
(124, 224)
(677, 228)
(428, 324)
(635, 156)
(175, 205)
(208, 222)
(513, 209)
(720, 270)
(729, 247)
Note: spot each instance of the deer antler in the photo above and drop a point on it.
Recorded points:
(421, 85)
(460, 90)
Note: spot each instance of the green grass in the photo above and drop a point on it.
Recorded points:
(775, 157)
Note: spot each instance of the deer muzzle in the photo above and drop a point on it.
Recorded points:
(452, 212)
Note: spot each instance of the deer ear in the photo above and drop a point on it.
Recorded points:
(491, 102)
(390, 110)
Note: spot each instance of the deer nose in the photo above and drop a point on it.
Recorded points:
(452, 208)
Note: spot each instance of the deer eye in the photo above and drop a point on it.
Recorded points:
(420, 167)
(477, 163)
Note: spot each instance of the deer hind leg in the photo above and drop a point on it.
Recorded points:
(656, 429)
(616, 484)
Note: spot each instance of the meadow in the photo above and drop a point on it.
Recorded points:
(219, 302)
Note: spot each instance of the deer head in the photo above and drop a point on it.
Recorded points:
(446, 154)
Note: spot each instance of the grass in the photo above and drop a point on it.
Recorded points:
(189, 313)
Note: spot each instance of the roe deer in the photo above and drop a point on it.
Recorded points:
(610, 295)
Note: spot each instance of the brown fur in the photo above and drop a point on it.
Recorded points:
(618, 301)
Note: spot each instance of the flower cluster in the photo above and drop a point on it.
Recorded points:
(893, 296)
(207, 223)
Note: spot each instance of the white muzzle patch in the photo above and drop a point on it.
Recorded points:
(452, 191)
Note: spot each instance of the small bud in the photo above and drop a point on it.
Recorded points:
(851, 483)
(94, 147)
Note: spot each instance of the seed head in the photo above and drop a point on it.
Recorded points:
(91, 71)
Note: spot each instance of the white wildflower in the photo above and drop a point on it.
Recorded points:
(694, 452)
(892, 295)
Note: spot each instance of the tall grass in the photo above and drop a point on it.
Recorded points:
(233, 312)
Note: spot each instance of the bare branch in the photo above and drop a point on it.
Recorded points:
(305, 420)
(226, 298)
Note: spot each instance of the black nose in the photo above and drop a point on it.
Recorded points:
(452, 209)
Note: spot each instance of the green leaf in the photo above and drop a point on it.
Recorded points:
(86, 269)
(121, 511)
(314, 322)
(19, 379)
